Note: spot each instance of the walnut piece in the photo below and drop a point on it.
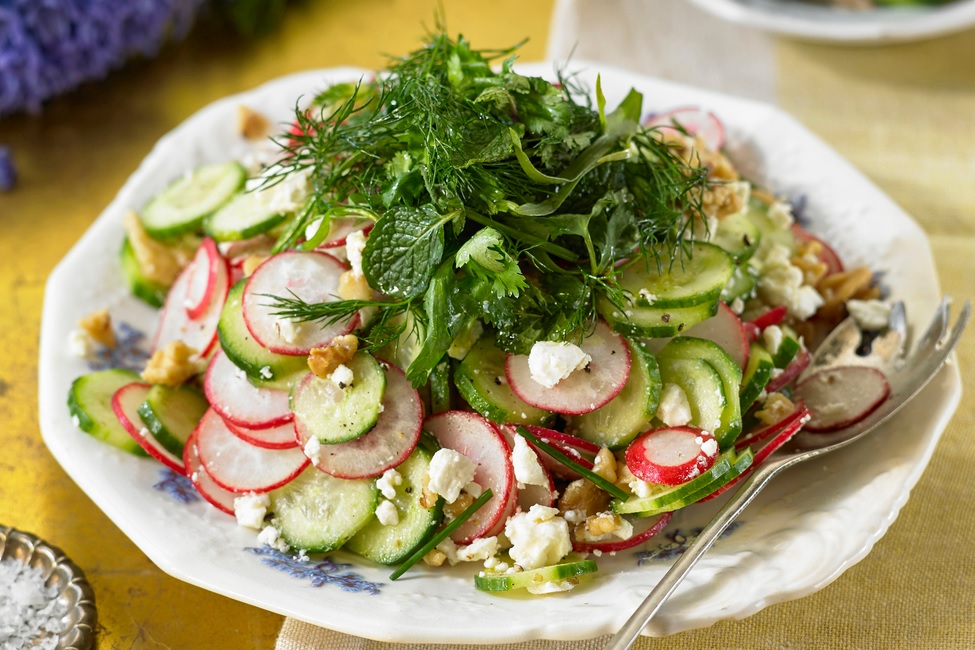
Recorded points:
(173, 365)
(341, 349)
(602, 523)
(585, 497)
(251, 124)
(98, 325)
(775, 409)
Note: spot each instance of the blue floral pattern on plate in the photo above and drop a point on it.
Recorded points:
(326, 571)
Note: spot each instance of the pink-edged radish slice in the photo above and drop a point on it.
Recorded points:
(241, 467)
(725, 329)
(793, 424)
(530, 494)
(477, 438)
(773, 316)
(827, 255)
(789, 374)
(654, 526)
(386, 445)
(839, 397)
(125, 404)
(577, 449)
(340, 228)
(671, 455)
(240, 402)
(281, 436)
(755, 436)
(695, 121)
(311, 276)
(584, 390)
(199, 333)
(203, 278)
(215, 495)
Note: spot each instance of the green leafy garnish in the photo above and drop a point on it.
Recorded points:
(496, 196)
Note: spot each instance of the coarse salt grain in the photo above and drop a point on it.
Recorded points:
(30, 613)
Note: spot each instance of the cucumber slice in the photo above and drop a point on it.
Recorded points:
(756, 376)
(480, 379)
(185, 203)
(615, 424)
(500, 581)
(263, 367)
(246, 215)
(739, 236)
(788, 347)
(393, 544)
(171, 413)
(691, 348)
(149, 292)
(654, 322)
(318, 512)
(90, 407)
(703, 386)
(743, 283)
(691, 280)
(335, 414)
(770, 233)
(667, 498)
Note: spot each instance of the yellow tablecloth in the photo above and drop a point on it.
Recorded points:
(905, 115)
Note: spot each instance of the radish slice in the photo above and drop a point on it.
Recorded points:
(773, 316)
(125, 403)
(750, 438)
(218, 497)
(790, 372)
(281, 436)
(839, 397)
(312, 277)
(239, 401)
(199, 333)
(671, 455)
(579, 450)
(695, 121)
(477, 438)
(725, 329)
(241, 467)
(339, 229)
(654, 527)
(783, 434)
(386, 445)
(827, 255)
(584, 390)
(203, 278)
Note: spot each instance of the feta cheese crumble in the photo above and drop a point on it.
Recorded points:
(528, 471)
(552, 361)
(386, 513)
(782, 283)
(674, 409)
(450, 472)
(354, 243)
(271, 536)
(342, 376)
(250, 510)
(538, 537)
(313, 449)
(388, 482)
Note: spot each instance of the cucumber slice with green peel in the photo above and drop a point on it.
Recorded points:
(480, 379)
(90, 407)
(262, 367)
(756, 375)
(246, 215)
(770, 232)
(654, 322)
(741, 285)
(738, 235)
(171, 413)
(666, 498)
(628, 414)
(693, 279)
(336, 413)
(318, 512)
(185, 203)
(148, 291)
(390, 544)
(692, 348)
(535, 578)
(703, 387)
(788, 347)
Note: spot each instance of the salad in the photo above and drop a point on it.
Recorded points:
(455, 314)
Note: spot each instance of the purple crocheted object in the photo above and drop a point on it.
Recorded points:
(48, 47)
(8, 173)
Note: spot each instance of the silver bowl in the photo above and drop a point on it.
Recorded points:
(78, 624)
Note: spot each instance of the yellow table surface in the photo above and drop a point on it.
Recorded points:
(918, 581)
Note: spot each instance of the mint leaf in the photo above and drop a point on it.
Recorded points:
(404, 249)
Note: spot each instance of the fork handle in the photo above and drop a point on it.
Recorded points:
(728, 513)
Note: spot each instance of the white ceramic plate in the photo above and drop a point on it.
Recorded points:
(806, 20)
(809, 527)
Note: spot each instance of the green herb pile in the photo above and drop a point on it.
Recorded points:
(497, 197)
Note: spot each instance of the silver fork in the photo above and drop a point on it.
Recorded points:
(906, 374)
